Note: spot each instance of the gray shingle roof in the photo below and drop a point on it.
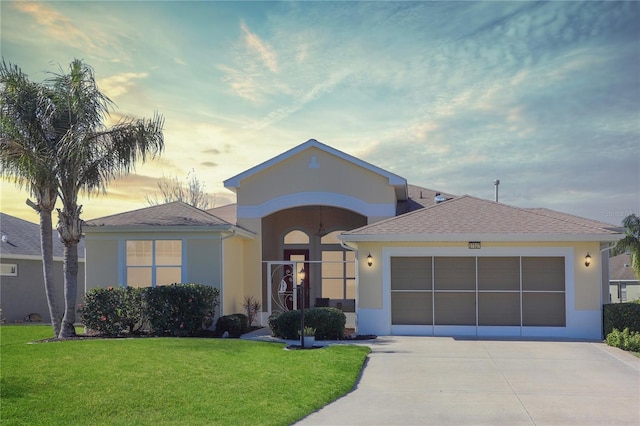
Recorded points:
(419, 198)
(171, 214)
(227, 213)
(468, 215)
(23, 238)
(617, 269)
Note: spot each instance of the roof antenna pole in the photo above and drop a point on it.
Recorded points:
(496, 183)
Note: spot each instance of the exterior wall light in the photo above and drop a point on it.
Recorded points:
(587, 260)
(369, 260)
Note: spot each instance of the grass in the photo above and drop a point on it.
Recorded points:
(164, 381)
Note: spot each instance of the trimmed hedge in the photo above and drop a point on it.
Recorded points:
(174, 310)
(621, 316)
(328, 322)
(235, 324)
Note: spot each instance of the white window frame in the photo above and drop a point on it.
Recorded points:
(153, 266)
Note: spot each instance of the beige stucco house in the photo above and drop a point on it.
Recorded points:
(396, 258)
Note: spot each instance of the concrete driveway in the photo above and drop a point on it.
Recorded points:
(447, 381)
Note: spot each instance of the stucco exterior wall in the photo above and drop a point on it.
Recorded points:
(587, 296)
(204, 260)
(106, 256)
(233, 277)
(25, 294)
(583, 284)
(252, 266)
(314, 170)
(102, 263)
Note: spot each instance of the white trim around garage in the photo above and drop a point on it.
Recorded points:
(579, 324)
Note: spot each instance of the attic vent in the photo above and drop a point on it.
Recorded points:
(439, 198)
(313, 163)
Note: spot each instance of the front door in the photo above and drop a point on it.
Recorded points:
(298, 255)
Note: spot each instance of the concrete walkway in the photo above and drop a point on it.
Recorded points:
(446, 381)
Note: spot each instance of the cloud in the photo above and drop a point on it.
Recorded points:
(56, 24)
(120, 84)
(265, 51)
(247, 77)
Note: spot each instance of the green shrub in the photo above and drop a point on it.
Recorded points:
(626, 339)
(113, 311)
(621, 316)
(328, 322)
(235, 324)
(181, 309)
(175, 310)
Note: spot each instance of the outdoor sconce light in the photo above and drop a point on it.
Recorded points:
(369, 260)
(587, 260)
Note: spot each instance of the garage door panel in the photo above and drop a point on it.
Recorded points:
(483, 292)
(411, 273)
(498, 273)
(455, 308)
(543, 274)
(455, 273)
(411, 308)
(499, 309)
(543, 309)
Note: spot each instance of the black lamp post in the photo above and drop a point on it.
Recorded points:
(301, 274)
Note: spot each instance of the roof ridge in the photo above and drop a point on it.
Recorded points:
(578, 221)
(537, 211)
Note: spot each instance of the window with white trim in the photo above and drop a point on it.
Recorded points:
(151, 263)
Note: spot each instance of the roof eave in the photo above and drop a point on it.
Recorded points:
(173, 229)
(449, 237)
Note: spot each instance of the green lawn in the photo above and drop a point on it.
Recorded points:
(166, 380)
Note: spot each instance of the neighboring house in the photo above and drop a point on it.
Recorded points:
(396, 258)
(22, 289)
(623, 284)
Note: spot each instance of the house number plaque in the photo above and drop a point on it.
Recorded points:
(474, 244)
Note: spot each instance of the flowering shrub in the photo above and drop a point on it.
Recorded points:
(175, 310)
(112, 311)
(181, 309)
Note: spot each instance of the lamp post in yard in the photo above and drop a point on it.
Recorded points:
(301, 275)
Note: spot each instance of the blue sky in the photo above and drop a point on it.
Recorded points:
(449, 95)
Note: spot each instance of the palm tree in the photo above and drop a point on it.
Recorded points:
(631, 242)
(27, 150)
(89, 155)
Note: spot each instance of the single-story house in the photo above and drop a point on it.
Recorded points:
(396, 258)
(623, 284)
(22, 291)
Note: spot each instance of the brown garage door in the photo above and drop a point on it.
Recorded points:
(478, 291)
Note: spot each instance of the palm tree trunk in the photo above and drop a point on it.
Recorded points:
(70, 229)
(46, 242)
(46, 201)
(70, 289)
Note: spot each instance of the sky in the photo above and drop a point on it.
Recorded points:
(544, 97)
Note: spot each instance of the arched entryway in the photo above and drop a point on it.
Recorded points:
(309, 235)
